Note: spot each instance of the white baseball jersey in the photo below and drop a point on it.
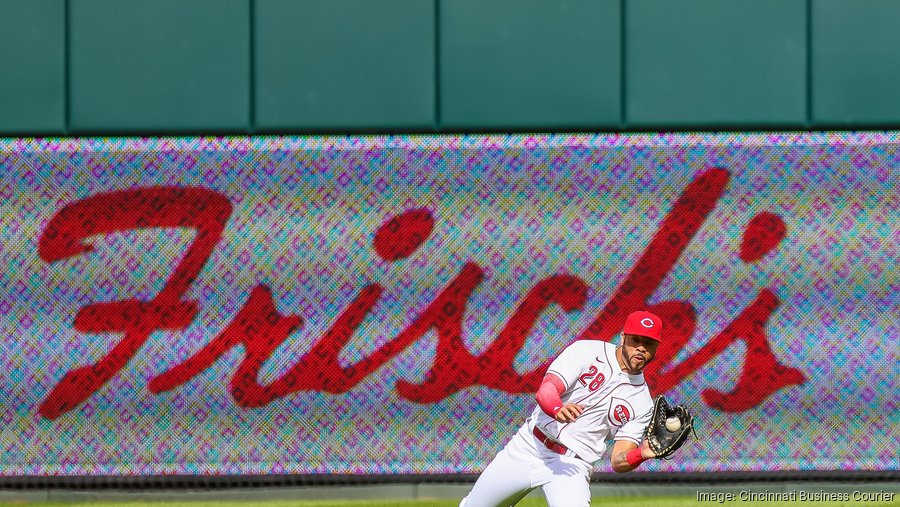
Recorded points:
(617, 405)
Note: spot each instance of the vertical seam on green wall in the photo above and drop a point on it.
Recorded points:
(809, 65)
(251, 89)
(67, 95)
(437, 64)
(623, 121)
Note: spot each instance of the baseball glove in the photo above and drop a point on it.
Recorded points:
(662, 441)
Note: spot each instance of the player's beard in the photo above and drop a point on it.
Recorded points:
(636, 364)
(630, 361)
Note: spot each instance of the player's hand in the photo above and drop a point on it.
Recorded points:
(569, 412)
(646, 451)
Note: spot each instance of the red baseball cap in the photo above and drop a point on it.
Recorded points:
(644, 324)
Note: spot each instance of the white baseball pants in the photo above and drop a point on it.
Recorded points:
(525, 464)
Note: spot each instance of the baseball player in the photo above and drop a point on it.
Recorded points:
(592, 392)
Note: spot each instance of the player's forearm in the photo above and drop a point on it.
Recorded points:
(626, 456)
(548, 395)
(620, 462)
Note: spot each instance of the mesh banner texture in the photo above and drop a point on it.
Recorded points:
(388, 305)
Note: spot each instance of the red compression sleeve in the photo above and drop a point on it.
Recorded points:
(634, 457)
(548, 395)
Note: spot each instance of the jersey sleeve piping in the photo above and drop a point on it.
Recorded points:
(623, 437)
(559, 376)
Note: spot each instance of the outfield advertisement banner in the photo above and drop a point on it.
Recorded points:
(381, 305)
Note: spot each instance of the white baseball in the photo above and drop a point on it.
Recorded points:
(673, 424)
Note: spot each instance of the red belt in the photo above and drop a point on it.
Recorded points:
(549, 444)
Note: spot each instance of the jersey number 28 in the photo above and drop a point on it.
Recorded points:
(597, 377)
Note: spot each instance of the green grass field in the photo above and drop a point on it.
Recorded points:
(528, 502)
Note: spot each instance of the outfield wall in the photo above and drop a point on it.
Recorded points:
(241, 67)
(387, 305)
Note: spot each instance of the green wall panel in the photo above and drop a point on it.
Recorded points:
(190, 66)
(159, 65)
(32, 75)
(530, 64)
(344, 64)
(714, 63)
(856, 62)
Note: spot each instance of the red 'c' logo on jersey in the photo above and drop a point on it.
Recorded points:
(621, 414)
